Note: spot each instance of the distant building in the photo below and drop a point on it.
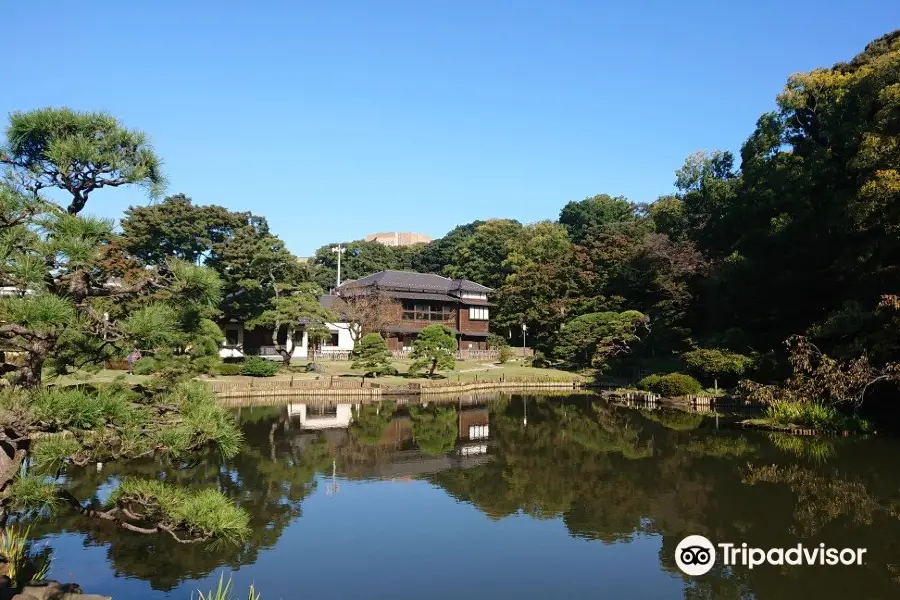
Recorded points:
(398, 238)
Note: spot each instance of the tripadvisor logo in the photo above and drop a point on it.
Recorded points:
(696, 555)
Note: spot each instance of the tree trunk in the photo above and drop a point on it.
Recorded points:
(433, 367)
(29, 375)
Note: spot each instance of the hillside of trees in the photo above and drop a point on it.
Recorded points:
(795, 237)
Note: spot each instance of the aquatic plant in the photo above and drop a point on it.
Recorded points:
(23, 565)
(225, 592)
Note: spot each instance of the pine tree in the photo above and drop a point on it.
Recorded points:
(372, 355)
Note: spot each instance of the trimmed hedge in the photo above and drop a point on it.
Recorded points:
(230, 369)
(259, 367)
(145, 366)
(671, 385)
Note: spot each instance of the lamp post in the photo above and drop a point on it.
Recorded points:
(339, 250)
(524, 329)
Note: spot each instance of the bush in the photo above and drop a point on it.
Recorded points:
(671, 385)
(496, 341)
(823, 417)
(505, 354)
(539, 361)
(230, 369)
(145, 366)
(259, 367)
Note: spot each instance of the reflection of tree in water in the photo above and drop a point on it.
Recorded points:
(269, 478)
(677, 420)
(820, 499)
(434, 428)
(370, 421)
(608, 473)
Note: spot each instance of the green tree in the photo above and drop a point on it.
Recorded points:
(178, 228)
(481, 256)
(434, 428)
(593, 339)
(715, 363)
(291, 306)
(436, 255)
(586, 217)
(372, 355)
(434, 348)
(78, 152)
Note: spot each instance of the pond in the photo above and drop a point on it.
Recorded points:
(505, 497)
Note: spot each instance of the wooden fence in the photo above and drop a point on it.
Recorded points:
(366, 389)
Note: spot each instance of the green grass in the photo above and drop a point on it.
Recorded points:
(101, 376)
(465, 371)
(23, 566)
(224, 591)
(818, 416)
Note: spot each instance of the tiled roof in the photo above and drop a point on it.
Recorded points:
(407, 280)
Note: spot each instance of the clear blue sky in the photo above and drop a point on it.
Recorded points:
(338, 119)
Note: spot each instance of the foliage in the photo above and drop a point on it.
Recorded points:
(33, 492)
(434, 348)
(372, 355)
(592, 340)
(230, 369)
(496, 341)
(678, 420)
(818, 378)
(256, 366)
(671, 385)
(202, 513)
(145, 366)
(23, 564)
(822, 417)
(434, 428)
(370, 421)
(504, 354)
(224, 591)
(715, 363)
(78, 152)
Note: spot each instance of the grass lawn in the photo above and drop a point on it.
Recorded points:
(101, 376)
(465, 371)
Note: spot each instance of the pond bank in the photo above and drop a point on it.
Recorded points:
(370, 390)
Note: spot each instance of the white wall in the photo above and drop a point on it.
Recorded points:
(341, 419)
(299, 350)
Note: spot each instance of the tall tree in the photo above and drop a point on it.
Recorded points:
(178, 228)
(290, 307)
(585, 217)
(78, 152)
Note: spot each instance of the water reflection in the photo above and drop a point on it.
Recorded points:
(609, 474)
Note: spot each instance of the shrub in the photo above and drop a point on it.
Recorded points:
(671, 385)
(259, 367)
(145, 366)
(823, 417)
(539, 361)
(505, 354)
(230, 369)
(496, 341)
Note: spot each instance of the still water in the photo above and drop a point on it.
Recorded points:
(504, 497)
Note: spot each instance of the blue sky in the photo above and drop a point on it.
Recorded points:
(338, 119)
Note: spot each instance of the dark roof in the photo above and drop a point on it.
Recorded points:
(407, 280)
(335, 303)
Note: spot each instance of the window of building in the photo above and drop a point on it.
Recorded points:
(321, 411)
(478, 432)
(335, 338)
(416, 310)
(478, 314)
(232, 337)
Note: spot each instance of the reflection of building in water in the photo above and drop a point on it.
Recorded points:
(394, 455)
(474, 426)
(321, 416)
